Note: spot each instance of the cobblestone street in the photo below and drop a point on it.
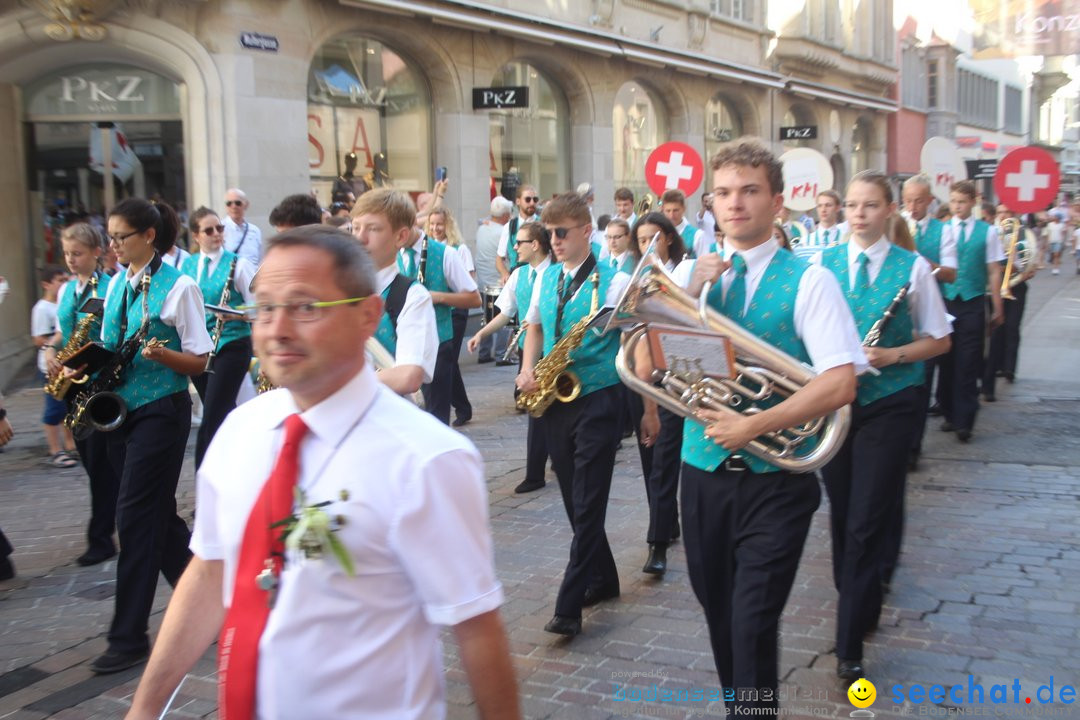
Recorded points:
(987, 591)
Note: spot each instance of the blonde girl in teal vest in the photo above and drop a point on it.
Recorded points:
(865, 480)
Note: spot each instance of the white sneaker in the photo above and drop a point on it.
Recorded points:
(1055, 271)
(196, 420)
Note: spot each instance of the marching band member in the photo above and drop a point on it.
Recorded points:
(673, 205)
(506, 258)
(583, 434)
(1005, 340)
(442, 272)
(979, 255)
(214, 269)
(660, 431)
(534, 249)
(152, 440)
(865, 479)
(624, 205)
(744, 520)
(441, 226)
(828, 232)
(83, 246)
(622, 255)
(383, 222)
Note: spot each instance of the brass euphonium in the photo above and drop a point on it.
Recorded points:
(645, 205)
(1010, 230)
(760, 370)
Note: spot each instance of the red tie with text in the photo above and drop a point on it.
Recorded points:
(260, 560)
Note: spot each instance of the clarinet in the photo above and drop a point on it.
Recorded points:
(873, 337)
(422, 265)
(219, 326)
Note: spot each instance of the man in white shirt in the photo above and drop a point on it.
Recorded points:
(488, 236)
(347, 620)
(241, 237)
(382, 221)
(528, 200)
(828, 232)
(673, 205)
(624, 205)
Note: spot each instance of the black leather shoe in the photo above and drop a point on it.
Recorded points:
(947, 426)
(527, 485)
(677, 532)
(849, 670)
(963, 435)
(934, 411)
(1010, 378)
(657, 562)
(912, 461)
(504, 363)
(599, 595)
(459, 421)
(7, 568)
(990, 397)
(485, 360)
(112, 662)
(88, 558)
(561, 625)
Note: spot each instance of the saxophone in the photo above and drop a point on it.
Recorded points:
(219, 326)
(555, 380)
(57, 384)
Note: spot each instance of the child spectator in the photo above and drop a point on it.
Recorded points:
(43, 330)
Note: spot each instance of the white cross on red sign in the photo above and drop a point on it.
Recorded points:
(674, 165)
(1027, 180)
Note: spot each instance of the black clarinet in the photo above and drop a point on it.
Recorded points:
(873, 337)
(422, 265)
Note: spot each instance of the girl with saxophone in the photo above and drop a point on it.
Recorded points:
(83, 247)
(224, 279)
(157, 301)
(865, 480)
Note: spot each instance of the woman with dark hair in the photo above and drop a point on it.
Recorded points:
(669, 244)
(214, 269)
(148, 447)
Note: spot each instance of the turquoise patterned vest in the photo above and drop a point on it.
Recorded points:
(523, 295)
(594, 360)
(144, 380)
(928, 243)
(688, 234)
(895, 271)
(771, 316)
(67, 313)
(626, 266)
(971, 265)
(212, 285)
(511, 243)
(386, 333)
(434, 280)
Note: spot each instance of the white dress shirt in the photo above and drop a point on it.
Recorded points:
(504, 236)
(417, 336)
(182, 309)
(619, 281)
(507, 300)
(706, 223)
(947, 243)
(416, 527)
(250, 245)
(43, 323)
(702, 242)
(487, 245)
(466, 257)
(824, 237)
(175, 257)
(923, 297)
(243, 274)
(457, 277)
(823, 320)
(994, 253)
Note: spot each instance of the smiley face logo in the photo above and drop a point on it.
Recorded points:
(862, 693)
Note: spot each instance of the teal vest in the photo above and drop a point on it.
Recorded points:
(144, 380)
(511, 243)
(771, 316)
(212, 285)
(67, 312)
(386, 333)
(928, 243)
(596, 250)
(688, 234)
(971, 265)
(434, 280)
(594, 360)
(626, 266)
(523, 291)
(895, 271)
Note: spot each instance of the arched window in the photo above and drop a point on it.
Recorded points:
(797, 115)
(364, 98)
(529, 145)
(722, 124)
(639, 125)
(860, 145)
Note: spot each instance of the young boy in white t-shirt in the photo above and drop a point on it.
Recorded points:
(43, 330)
(1055, 232)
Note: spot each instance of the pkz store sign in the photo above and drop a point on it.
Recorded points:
(497, 98)
(103, 90)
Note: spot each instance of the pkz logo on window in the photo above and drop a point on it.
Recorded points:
(257, 41)
(798, 132)
(497, 98)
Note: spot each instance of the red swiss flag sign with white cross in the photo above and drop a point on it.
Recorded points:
(674, 165)
(1027, 180)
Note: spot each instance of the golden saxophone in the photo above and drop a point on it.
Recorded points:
(555, 381)
(219, 326)
(57, 384)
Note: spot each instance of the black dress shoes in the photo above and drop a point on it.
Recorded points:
(849, 670)
(947, 426)
(562, 625)
(599, 595)
(461, 420)
(485, 360)
(963, 436)
(989, 397)
(503, 363)
(7, 568)
(112, 661)
(657, 562)
(934, 410)
(94, 558)
(527, 485)
(677, 532)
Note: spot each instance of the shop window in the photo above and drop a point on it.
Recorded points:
(722, 124)
(639, 126)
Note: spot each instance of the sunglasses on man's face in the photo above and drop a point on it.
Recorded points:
(212, 229)
(561, 232)
(231, 203)
(530, 198)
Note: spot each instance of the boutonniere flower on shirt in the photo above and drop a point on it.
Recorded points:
(311, 530)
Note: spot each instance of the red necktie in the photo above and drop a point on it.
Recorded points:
(260, 551)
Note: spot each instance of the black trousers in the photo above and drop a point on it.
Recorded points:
(1005, 341)
(459, 399)
(153, 538)
(662, 482)
(96, 453)
(536, 446)
(635, 409)
(865, 482)
(961, 367)
(218, 389)
(583, 437)
(437, 392)
(744, 534)
(932, 366)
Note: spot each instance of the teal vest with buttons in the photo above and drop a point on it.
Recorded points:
(594, 360)
(688, 234)
(144, 381)
(928, 243)
(434, 280)
(67, 312)
(971, 265)
(212, 286)
(523, 291)
(868, 309)
(771, 316)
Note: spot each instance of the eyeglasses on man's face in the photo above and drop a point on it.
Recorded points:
(119, 239)
(615, 237)
(298, 310)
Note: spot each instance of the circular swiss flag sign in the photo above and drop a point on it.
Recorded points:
(674, 165)
(1027, 180)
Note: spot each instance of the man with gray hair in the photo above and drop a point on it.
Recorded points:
(241, 237)
(487, 273)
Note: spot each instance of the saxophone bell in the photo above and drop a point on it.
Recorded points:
(103, 411)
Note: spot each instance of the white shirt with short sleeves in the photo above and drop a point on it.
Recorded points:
(702, 241)
(416, 527)
(417, 335)
(507, 300)
(504, 236)
(466, 257)
(994, 253)
(244, 239)
(43, 324)
(182, 309)
(947, 243)
(487, 245)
